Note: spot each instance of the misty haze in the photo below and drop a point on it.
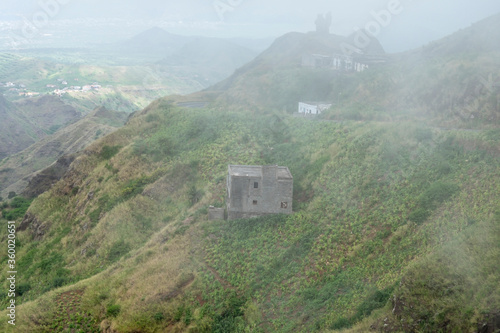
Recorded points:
(241, 166)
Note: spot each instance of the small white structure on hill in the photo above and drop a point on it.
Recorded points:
(313, 107)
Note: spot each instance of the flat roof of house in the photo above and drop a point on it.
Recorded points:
(282, 172)
(315, 103)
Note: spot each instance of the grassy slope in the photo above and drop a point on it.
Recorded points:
(375, 203)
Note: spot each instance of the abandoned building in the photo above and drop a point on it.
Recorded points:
(313, 108)
(258, 190)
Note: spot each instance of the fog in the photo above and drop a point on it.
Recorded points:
(411, 24)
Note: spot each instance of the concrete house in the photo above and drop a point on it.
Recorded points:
(258, 190)
(313, 107)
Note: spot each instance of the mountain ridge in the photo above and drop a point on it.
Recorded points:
(18, 171)
(404, 85)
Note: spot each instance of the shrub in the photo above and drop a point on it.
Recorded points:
(20, 202)
(178, 314)
(437, 194)
(341, 323)
(117, 250)
(113, 310)
(18, 208)
(188, 317)
(374, 301)
(419, 215)
(49, 262)
(111, 168)
(135, 186)
(108, 152)
(194, 194)
(58, 282)
(23, 288)
(94, 216)
(11, 195)
(159, 316)
(106, 203)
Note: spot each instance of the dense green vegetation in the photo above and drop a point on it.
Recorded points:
(15, 208)
(372, 202)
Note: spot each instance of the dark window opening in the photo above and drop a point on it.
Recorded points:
(284, 205)
(255, 202)
(255, 185)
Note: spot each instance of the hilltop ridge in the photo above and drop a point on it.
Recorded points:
(410, 84)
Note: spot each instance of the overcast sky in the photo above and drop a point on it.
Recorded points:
(411, 23)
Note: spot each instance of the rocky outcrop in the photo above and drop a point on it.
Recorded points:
(38, 228)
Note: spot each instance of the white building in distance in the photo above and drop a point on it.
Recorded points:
(313, 107)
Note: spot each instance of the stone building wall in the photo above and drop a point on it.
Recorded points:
(258, 190)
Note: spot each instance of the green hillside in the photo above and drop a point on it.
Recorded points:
(127, 233)
(396, 207)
